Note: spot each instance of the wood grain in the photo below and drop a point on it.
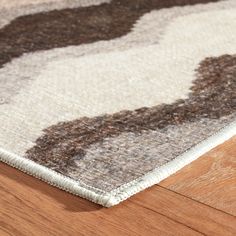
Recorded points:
(211, 179)
(186, 211)
(31, 207)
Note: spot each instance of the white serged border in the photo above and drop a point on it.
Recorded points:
(125, 191)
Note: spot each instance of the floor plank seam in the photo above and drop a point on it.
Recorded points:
(227, 213)
(169, 218)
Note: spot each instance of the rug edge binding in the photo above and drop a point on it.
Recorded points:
(127, 190)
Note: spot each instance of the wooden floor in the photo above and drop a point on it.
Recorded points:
(198, 200)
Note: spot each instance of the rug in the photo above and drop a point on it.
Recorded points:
(104, 98)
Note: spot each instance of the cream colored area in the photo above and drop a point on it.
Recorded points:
(92, 85)
(120, 80)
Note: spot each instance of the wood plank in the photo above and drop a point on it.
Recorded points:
(211, 179)
(31, 207)
(186, 211)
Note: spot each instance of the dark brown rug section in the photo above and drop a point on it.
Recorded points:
(213, 95)
(60, 28)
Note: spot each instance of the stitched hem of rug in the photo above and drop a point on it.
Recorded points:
(127, 190)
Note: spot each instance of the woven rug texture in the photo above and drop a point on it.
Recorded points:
(104, 98)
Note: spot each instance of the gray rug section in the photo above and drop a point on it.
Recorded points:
(119, 160)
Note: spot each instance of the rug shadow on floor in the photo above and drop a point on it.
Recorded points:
(70, 202)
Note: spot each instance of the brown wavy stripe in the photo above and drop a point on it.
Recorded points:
(60, 28)
(213, 95)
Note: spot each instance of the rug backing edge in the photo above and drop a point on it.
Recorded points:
(127, 190)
